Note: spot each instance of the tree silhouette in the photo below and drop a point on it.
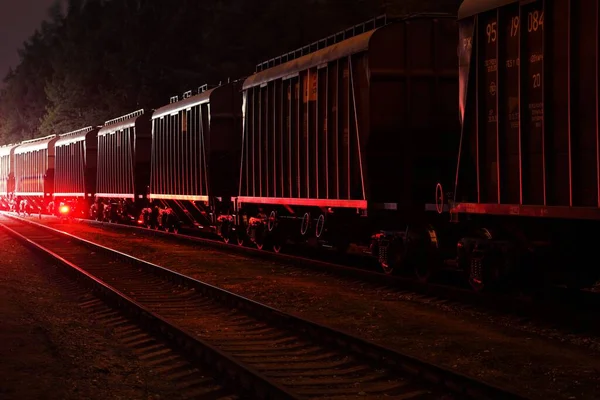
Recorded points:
(102, 58)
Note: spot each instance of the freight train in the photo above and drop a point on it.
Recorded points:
(357, 143)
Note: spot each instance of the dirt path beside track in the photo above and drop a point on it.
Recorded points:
(50, 348)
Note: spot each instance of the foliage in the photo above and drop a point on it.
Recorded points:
(103, 58)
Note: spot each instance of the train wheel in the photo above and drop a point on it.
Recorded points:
(260, 239)
(387, 268)
(392, 265)
(427, 265)
(276, 241)
(426, 258)
(395, 259)
(423, 272)
(477, 285)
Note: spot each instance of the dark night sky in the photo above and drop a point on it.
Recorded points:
(18, 20)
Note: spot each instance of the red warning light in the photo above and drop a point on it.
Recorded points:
(64, 209)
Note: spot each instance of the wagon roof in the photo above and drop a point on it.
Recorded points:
(73, 137)
(468, 8)
(344, 48)
(36, 144)
(5, 150)
(192, 101)
(125, 121)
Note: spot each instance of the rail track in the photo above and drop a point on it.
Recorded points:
(264, 352)
(573, 310)
(187, 377)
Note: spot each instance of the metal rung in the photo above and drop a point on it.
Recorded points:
(124, 117)
(321, 44)
(38, 139)
(83, 130)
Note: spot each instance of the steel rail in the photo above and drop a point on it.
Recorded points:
(229, 371)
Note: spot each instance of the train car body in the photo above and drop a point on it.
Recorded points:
(75, 172)
(34, 168)
(527, 183)
(34, 174)
(195, 159)
(343, 138)
(123, 167)
(7, 176)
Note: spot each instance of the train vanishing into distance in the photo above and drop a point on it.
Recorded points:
(382, 140)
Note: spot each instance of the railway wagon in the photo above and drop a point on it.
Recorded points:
(343, 138)
(195, 160)
(7, 177)
(527, 184)
(34, 174)
(123, 168)
(75, 172)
